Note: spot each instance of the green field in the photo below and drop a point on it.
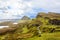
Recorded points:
(47, 36)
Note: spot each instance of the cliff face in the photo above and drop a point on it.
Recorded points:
(51, 15)
(54, 18)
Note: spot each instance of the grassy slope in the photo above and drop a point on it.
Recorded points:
(47, 36)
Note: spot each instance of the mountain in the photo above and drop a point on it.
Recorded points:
(50, 15)
(25, 18)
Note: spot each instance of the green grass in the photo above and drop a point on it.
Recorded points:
(26, 34)
(25, 30)
(46, 36)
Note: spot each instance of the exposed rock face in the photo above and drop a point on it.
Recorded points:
(54, 18)
(25, 18)
(49, 15)
(41, 14)
(54, 22)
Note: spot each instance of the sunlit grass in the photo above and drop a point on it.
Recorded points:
(46, 36)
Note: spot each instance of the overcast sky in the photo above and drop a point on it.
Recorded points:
(15, 9)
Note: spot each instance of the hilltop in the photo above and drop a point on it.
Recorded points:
(25, 18)
(50, 15)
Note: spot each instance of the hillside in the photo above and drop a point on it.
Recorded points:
(46, 26)
(5, 23)
(50, 15)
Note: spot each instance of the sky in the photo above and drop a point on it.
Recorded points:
(16, 9)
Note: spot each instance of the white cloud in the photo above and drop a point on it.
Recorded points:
(50, 5)
(18, 7)
(11, 9)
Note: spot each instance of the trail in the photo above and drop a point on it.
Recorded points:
(38, 28)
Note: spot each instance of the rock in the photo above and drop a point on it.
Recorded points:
(54, 22)
(25, 18)
(48, 15)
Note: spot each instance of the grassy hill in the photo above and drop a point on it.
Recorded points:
(43, 27)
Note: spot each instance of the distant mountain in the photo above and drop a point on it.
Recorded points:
(12, 20)
(25, 18)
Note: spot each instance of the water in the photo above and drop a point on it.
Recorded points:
(12, 20)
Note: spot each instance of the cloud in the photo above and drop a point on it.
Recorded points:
(49, 5)
(11, 9)
(15, 9)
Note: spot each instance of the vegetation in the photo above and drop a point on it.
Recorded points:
(41, 28)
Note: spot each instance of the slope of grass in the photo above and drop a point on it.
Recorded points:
(27, 30)
(47, 36)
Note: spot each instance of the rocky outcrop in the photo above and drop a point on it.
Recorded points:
(54, 22)
(49, 15)
(25, 18)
